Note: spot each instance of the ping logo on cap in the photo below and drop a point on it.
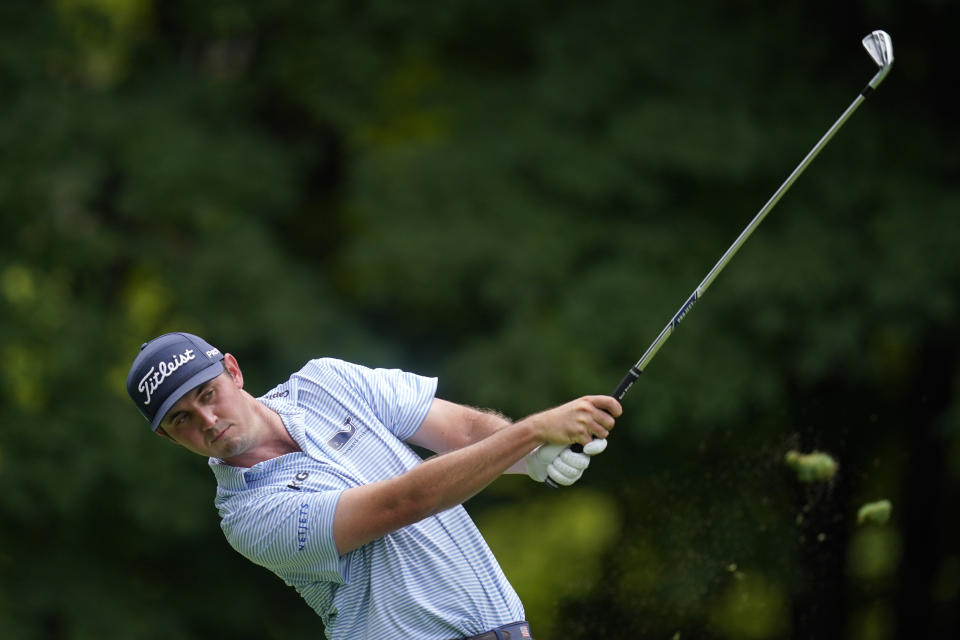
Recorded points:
(157, 374)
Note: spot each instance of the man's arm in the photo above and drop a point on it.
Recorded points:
(374, 510)
(449, 426)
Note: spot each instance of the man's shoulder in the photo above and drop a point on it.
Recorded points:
(314, 374)
(325, 370)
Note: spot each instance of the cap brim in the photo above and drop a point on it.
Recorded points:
(209, 373)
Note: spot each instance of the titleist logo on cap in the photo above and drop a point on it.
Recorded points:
(163, 370)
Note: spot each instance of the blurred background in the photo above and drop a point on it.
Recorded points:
(514, 197)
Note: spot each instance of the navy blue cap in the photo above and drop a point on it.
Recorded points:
(166, 369)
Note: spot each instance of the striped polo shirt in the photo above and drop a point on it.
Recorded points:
(435, 579)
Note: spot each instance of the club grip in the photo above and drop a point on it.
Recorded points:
(631, 376)
(628, 379)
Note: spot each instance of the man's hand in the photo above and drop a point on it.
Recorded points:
(577, 422)
(561, 464)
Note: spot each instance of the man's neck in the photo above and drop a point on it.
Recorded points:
(275, 440)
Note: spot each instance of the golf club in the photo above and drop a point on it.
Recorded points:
(880, 47)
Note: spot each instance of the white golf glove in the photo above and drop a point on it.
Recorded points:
(560, 463)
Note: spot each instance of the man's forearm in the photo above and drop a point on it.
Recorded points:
(456, 476)
(482, 423)
(449, 426)
(370, 511)
(493, 422)
(439, 483)
(449, 479)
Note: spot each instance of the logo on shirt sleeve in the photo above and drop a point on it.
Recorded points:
(303, 526)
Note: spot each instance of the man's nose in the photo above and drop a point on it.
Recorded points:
(208, 417)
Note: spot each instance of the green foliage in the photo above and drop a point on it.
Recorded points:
(751, 607)
(570, 535)
(515, 197)
(874, 553)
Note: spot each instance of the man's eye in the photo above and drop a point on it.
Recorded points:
(208, 394)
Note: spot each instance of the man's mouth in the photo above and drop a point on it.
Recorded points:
(220, 435)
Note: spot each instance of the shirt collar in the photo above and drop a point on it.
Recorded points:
(228, 477)
(235, 478)
(291, 414)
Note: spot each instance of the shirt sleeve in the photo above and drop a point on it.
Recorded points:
(290, 533)
(398, 398)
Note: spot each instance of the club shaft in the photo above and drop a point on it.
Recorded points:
(668, 330)
(634, 372)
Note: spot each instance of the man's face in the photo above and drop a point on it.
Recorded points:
(212, 420)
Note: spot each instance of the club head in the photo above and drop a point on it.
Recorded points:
(880, 47)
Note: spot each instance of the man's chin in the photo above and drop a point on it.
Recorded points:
(230, 449)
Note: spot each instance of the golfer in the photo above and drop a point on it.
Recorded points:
(316, 482)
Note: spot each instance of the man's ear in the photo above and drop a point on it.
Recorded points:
(233, 368)
(162, 432)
